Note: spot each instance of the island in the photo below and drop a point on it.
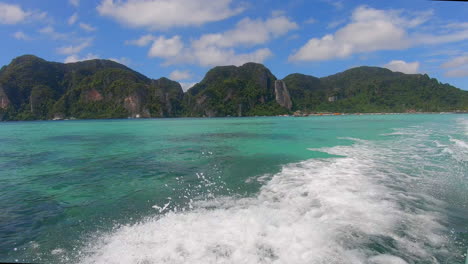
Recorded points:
(32, 88)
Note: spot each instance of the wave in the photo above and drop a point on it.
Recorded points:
(362, 208)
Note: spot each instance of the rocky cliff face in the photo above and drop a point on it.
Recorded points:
(282, 95)
(32, 88)
(4, 103)
(234, 91)
(169, 95)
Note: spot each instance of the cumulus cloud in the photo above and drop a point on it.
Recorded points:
(72, 20)
(76, 58)
(220, 48)
(142, 41)
(174, 51)
(166, 47)
(87, 27)
(403, 66)
(180, 75)
(457, 67)
(74, 49)
(249, 32)
(164, 14)
(371, 30)
(13, 14)
(211, 56)
(20, 35)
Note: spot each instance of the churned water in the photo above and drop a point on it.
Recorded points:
(377, 189)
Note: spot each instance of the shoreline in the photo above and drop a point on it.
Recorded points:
(286, 115)
(377, 113)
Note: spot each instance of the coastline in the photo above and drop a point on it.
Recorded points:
(301, 114)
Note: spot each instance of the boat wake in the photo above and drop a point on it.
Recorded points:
(370, 206)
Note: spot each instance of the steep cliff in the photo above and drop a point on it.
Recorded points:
(282, 95)
(234, 91)
(32, 88)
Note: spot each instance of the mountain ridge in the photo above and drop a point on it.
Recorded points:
(32, 88)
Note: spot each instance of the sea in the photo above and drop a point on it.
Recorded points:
(371, 189)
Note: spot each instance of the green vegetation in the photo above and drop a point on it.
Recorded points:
(234, 91)
(34, 89)
(373, 89)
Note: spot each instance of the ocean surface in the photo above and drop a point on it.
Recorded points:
(371, 189)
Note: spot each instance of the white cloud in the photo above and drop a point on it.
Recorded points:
(456, 62)
(431, 39)
(458, 66)
(462, 72)
(463, 25)
(69, 50)
(187, 85)
(75, 3)
(87, 27)
(212, 56)
(248, 32)
(12, 14)
(402, 66)
(220, 48)
(164, 14)
(122, 60)
(72, 20)
(372, 30)
(174, 51)
(76, 58)
(142, 41)
(369, 30)
(166, 47)
(180, 75)
(50, 31)
(336, 23)
(20, 35)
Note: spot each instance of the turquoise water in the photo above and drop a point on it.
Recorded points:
(333, 189)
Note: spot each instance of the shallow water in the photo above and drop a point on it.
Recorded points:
(335, 189)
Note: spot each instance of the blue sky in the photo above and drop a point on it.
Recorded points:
(182, 39)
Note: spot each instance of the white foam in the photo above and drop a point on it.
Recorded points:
(463, 122)
(317, 211)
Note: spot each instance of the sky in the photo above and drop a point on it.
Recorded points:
(183, 39)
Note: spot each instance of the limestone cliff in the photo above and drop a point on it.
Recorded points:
(247, 90)
(282, 94)
(4, 103)
(32, 88)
